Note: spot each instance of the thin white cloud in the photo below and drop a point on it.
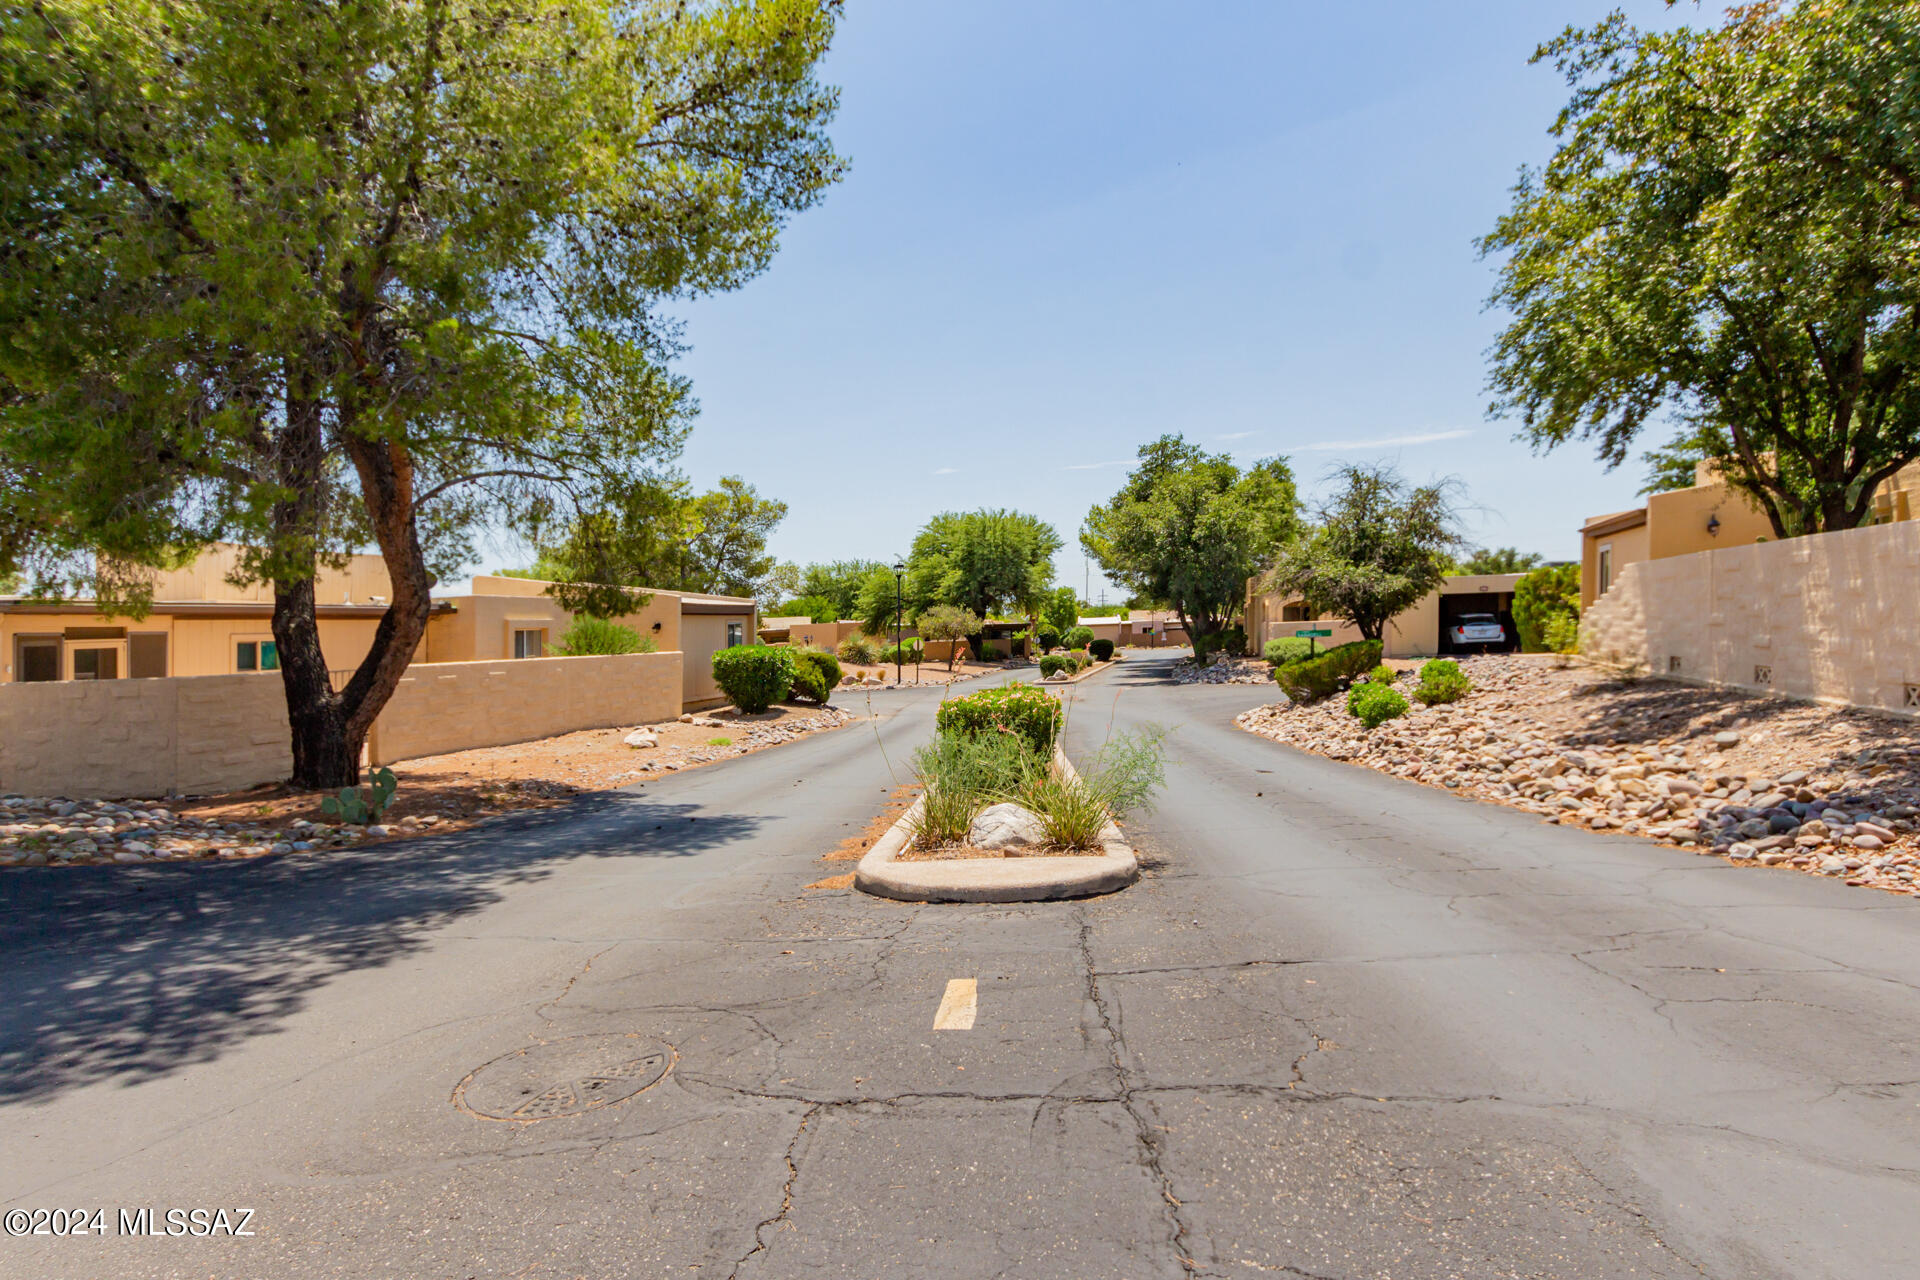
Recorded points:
(945, 471)
(1235, 435)
(1391, 442)
(1095, 466)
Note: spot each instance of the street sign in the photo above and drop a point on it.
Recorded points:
(1314, 632)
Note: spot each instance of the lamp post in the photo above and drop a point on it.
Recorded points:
(899, 616)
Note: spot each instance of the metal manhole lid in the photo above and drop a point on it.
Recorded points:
(563, 1077)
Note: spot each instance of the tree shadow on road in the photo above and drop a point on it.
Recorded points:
(132, 973)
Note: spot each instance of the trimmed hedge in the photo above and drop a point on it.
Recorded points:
(753, 676)
(1053, 663)
(1101, 649)
(1289, 649)
(1442, 680)
(816, 674)
(1321, 676)
(1023, 709)
(1077, 637)
(1049, 639)
(1374, 704)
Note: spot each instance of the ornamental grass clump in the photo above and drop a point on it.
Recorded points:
(859, 650)
(961, 774)
(1121, 778)
(1442, 680)
(1374, 704)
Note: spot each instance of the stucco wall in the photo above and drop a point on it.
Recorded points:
(1629, 547)
(196, 646)
(454, 706)
(193, 735)
(1833, 616)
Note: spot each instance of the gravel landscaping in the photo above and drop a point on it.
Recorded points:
(436, 793)
(1223, 668)
(1769, 781)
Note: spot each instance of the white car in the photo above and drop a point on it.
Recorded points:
(1477, 629)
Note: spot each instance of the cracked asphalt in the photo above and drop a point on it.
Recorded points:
(1345, 1027)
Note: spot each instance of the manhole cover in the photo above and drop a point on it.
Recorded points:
(563, 1077)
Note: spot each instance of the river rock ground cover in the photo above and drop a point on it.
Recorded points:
(436, 794)
(1762, 780)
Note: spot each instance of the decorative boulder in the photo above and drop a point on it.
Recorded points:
(642, 738)
(1006, 826)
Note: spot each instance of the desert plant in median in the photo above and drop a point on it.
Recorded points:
(1320, 676)
(1442, 680)
(1102, 650)
(1077, 637)
(589, 636)
(753, 676)
(1032, 713)
(1054, 663)
(816, 674)
(1122, 777)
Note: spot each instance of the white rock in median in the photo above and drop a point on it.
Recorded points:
(1006, 826)
(642, 738)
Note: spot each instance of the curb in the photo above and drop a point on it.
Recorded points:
(1093, 670)
(995, 879)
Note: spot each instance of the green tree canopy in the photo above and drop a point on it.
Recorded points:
(1060, 609)
(1499, 560)
(986, 561)
(1727, 234)
(1189, 528)
(728, 551)
(1378, 545)
(838, 581)
(310, 280)
(1546, 608)
(812, 608)
(948, 622)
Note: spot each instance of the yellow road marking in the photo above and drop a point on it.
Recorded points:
(957, 1006)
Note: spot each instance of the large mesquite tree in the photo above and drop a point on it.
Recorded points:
(1728, 234)
(309, 276)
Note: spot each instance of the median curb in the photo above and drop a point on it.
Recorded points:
(1041, 879)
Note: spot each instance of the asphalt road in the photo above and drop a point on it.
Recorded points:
(1346, 1027)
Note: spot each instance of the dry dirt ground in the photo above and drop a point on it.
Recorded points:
(439, 793)
(1769, 780)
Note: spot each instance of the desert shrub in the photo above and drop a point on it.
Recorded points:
(1542, 597)
(816, 675)
(591, 637)
(1081, 658)
(909, 652)
(1077, 637)
(1382, 674)
(1053, 663)
(1021, 709)
(1442, 680)
(1232, 640)
(989, 652)
(1321, 676)
(753, 676)
(962, 774)
(1374, 704)
(1121, 777)
(1101, 649)
(1049, 638)
(858, 649)
(1289, 649)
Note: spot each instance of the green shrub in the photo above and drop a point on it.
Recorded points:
(1232, 640)
(1102, 650)
(1053, 663)
(1049, 639)
(1077, 637)
(1321, 676)
(591, 637)
(753, 676)
(909, 652)
(1546, 594)
(858, 650)
(1016, 708)
(1374, 704)
(1442, 680)
(1289, 649)
(989, 652)
(816, 675)
(963, 774)
(1382, 674)
(1081, 659)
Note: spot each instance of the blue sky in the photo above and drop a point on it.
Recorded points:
(1071, 227)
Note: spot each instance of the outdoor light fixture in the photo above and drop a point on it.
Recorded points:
(899, 617)
(1713, 525)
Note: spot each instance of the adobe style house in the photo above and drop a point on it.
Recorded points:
(202, 625)
(1706, 516)
(1420, 631)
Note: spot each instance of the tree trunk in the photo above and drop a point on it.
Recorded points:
(386, 483)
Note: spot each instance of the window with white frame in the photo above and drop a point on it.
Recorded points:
(529, 642)
(1606, 569)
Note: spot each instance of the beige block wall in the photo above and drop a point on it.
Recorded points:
(143, 737)
(821, 635)
(457, 706)
(1834, 616)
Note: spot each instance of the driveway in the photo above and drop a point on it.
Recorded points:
(1346, 1027)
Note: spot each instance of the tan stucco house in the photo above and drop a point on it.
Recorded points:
(1418, 632)
(1706, 516)
(202, 625)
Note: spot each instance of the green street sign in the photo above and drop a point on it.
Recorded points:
(1304, 634)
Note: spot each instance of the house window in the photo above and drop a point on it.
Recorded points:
(736, 634)
(529, 642)
(1606, 569)
(1294, 613)
(256, 655)
(96, 664)
(38, 660)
